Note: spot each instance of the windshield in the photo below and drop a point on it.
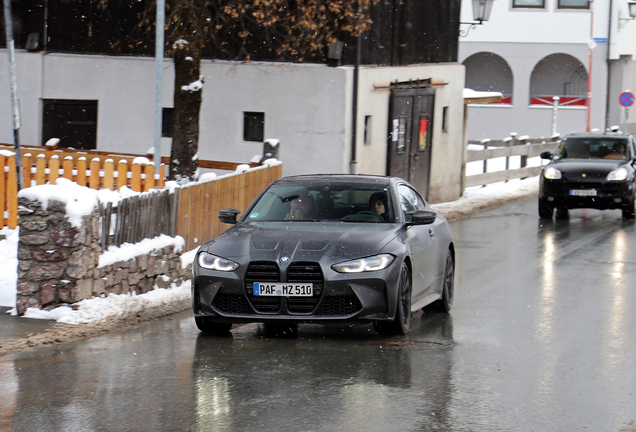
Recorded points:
(593, 148)
(324, 201)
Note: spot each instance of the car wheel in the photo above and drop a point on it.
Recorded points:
(402, 321)
(545, 210)
(208, 326)
(448, 290)
(629, 212)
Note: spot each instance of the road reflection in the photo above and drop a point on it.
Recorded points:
(8, 394)
(325, 378)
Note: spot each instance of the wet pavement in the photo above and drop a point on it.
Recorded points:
(541, 338)
(15, 327)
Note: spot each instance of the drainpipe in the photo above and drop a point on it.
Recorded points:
(589, 75)
(354, 108)
(159, 42)
(610, 40)
(8, 24)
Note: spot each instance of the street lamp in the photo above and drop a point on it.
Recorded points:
(631, 9)
(481, 13)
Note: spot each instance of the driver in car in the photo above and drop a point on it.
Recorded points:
(378, 204)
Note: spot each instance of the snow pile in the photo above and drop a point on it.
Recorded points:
(477, 199)
(129, 250)
(80, 201)
(8, 266)
(113, 306)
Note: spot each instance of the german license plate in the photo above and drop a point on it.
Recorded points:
(283, 289)
(583, 192)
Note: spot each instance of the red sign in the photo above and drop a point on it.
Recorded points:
(626, 99)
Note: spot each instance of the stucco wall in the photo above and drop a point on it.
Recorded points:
(447, 147)
(304, 105)
(307, 107)
(497, 121)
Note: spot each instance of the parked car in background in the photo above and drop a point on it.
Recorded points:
(326, 249)
(589, 171)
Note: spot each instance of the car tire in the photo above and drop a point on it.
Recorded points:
(208, 326)
(402, 321)
(629, 212)
(546, 211)
(445, 303)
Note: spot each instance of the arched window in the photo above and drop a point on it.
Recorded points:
(559, 75)
(486, 71)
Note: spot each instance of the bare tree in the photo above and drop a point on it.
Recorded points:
(290, 30)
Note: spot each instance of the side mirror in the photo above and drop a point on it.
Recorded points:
(228, 216)
(420, 217)
(546, 155)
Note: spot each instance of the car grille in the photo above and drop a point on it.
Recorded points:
(603, 188)
(299, 272)
(339, 305)
(235, 304)
(262, 271)
(304, 272)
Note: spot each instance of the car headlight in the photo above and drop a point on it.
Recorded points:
(551, 173)
(213, 262)
(619, 174)
(373, 263)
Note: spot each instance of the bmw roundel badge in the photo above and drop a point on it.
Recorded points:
(284, 259)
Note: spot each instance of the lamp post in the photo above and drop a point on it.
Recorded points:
(591, 45)
(481, 13)
(8, 21)
(631, 10)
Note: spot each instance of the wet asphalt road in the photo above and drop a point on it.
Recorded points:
(542, 337)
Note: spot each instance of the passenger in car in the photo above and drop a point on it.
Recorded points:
(301, 209)
(618, 152)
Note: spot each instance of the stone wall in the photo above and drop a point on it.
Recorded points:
(58, 263)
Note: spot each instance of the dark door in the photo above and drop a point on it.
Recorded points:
(410, 123)
(74, 122)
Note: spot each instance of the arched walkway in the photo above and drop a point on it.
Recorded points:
(558, 75)
(487, 71)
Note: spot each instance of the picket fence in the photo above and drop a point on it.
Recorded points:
(189, 211)
(511, 146)
(94, 169)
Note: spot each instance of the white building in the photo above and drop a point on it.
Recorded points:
(308, 107)
(534, 50)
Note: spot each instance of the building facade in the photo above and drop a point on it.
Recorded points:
(106, 102)
(533, 50)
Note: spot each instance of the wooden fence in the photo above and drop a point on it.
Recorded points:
(95, 169)
(199, 204)
(190, 211)
(513, 146)
(139, 217)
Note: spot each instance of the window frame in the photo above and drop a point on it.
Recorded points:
(587, 7)
(516, 6)
(253, 126)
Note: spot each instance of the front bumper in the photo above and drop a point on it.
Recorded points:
(609, 195)
(228, 296)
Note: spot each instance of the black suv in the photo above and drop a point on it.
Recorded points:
(589, 171)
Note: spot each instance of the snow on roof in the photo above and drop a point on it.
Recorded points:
(472, 94)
